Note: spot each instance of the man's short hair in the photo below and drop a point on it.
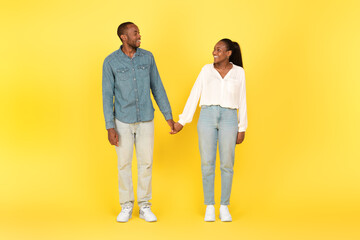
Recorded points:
(122, 29)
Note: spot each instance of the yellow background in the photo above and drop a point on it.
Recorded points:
(296, 174)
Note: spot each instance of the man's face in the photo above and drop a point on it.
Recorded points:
(132, 36)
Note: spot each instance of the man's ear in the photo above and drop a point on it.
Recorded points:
(123, 37)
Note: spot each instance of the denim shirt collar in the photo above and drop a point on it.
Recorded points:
(123, 55)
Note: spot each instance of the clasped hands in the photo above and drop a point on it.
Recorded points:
(175, 126)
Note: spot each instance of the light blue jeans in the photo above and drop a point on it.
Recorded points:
(217, 124)
(142, 135)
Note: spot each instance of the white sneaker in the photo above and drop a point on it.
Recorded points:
(210, 213)
(125, 214)
(225, 214)
(147, 215)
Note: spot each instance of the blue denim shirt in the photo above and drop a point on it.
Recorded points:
(129, 80)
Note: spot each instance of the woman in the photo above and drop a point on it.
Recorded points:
(221, 86)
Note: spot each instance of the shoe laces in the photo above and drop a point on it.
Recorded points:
(146, 209)
(125, 210)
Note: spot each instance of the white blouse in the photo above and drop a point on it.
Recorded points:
(227, 92)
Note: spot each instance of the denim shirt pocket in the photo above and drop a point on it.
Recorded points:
(122, 73)
(143, 70)
(143, 67)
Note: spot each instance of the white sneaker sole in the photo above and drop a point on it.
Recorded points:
(124, 220)
(225, 220)
(209, 219)
(142, 217)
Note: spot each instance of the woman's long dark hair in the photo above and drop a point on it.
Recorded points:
(235, 57)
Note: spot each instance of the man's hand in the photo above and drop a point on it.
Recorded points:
(113, 137)
(177, 128)
(240, 137)
(171, 124)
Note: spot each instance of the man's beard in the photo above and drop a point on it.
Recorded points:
(134, 45)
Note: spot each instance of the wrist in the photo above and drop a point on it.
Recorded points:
(181, 122)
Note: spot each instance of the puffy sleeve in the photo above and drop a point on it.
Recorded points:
(192, 102)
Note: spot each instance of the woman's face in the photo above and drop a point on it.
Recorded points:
(220, 53)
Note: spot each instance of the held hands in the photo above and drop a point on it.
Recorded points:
(113, 137)
(171, 125)
(177, 128)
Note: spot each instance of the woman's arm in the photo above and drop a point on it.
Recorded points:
(242, 115)
(191, 104)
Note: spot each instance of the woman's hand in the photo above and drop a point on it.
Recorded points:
(240, 137)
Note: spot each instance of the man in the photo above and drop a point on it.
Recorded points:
(128, 76)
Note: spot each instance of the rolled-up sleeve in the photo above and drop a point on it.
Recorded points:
(108, 89)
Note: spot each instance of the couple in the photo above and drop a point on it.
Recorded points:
(128, 76)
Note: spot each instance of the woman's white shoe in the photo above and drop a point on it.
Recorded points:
(210, 213)
(225, 214)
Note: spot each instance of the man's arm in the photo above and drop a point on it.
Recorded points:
(158, 91)
(108, 88)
